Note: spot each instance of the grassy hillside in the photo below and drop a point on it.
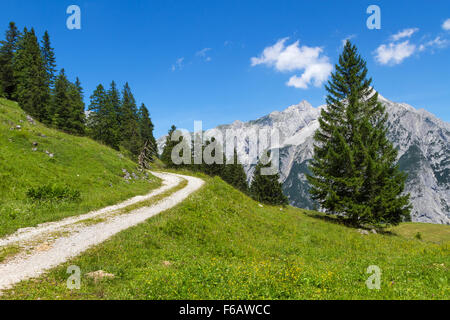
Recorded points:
(423, 231)
(65, 175)
(220, 244)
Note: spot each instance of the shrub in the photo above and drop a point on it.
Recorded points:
(52, 192)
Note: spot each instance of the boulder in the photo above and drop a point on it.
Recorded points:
(99, 275)
(31, 120)
(363, 232)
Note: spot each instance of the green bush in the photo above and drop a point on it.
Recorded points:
(52, 192)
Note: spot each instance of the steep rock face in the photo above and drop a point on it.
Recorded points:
(424, 153)
(422, 139)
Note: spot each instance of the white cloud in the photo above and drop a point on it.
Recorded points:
(406, 33)
(203, 54)
(316, 67)
(394, 53)
(178, 64)
(446, 24)
(317, 74)
(435, 43)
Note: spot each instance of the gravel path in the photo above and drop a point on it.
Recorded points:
(51, 244)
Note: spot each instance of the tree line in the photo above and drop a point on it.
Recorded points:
(115, 120)
(28, 76)
(263, 188)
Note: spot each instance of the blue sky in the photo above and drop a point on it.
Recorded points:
(192, 60)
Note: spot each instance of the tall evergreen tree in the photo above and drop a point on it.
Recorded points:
(48, 56)
(7, 51)
(354, 171)
(129, 124)
(102, 118)
(114, 115)
(166, 155)
(146, 131)
(267, 188)
(32, 90)
(61, 106)
(78, 87)
(235, 175)
(95, 112)
(78, 118)
(213, 167)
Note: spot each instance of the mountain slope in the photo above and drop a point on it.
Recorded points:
(68, 175)
(422, 139)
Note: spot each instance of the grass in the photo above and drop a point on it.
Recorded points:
(155, 199)
(8, 252)
(428, 232)
(220, 244)
(138, 205)
(79, 166)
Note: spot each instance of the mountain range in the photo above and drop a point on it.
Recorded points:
(422, 140)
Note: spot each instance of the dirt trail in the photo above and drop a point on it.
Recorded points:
(50, 244)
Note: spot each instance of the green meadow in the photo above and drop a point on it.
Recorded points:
(220, 244)
(64, 176)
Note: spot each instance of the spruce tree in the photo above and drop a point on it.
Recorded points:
(235, 175)
(114, 115)
(213, 167)
(102, 118)
(146, 132)
(32, 92)
(7, 51)
(166, 155)
(78, 86)
(61, 105)
(95, 113)
(78, 118)
(267, 188)
(48, 56)
(129, 125)
(354, 171)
